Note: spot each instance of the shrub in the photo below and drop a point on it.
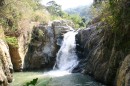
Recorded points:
(12, 41)
(32, 83)
(41, 16)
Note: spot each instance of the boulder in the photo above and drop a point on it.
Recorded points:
(62, 23)
(60, 27)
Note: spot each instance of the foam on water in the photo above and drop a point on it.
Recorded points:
(56, 73)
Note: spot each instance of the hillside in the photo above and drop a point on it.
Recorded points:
(83, 11)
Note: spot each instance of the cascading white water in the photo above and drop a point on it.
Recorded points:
(66, 57)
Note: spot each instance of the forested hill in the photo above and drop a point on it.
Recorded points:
(83, 11)
(88, 12)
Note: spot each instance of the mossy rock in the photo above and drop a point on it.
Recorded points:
(12, 41)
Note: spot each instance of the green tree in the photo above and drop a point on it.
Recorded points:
(54, 8)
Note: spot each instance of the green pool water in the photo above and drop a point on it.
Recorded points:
(74, 79)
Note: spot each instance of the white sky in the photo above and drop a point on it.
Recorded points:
(69, 3)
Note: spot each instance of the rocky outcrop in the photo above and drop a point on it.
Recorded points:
(43, 46)
(60, 27)
(6, 67)
(100, 57)
(15, 58)
(23, 38)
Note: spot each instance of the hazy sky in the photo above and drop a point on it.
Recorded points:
(69, 3)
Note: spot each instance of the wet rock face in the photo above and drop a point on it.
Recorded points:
(86, 40)
(99, 58)
(44, 45)
(41, 48)
(6, 67)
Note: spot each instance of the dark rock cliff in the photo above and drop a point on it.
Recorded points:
(41, 48)
(101, 58)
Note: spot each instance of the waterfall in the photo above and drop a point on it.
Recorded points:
(66, 59)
